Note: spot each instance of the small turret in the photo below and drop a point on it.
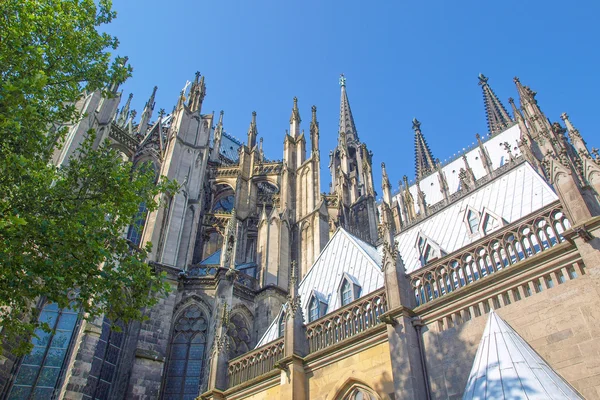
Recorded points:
(423, 158)
(295, 120)
(252, 132)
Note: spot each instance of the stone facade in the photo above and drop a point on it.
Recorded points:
(243, 231)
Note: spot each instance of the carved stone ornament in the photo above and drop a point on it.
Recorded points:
(391, 251)
(294, 304)
(220, 344)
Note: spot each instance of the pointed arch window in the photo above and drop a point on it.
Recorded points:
(349, 289)
(186, 356)
(359, 394)
(346, 292)
(490, 222)
(428, 249)
(39, 372)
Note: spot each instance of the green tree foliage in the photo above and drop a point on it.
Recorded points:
(61, 229)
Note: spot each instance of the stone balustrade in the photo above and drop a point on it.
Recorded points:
(256, 363)
(357, 317)
(509, 245)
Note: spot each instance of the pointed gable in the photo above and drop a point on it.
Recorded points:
(344, 255)
(506, 367)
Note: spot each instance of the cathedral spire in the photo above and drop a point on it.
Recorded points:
(295, 120)
(124, 114)
(147, 113)
(498, 118)
(423, 158)
(252, 132)
(347, 127)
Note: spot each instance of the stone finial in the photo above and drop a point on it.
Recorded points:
(342, 80)
(482, 79)
(416, 124)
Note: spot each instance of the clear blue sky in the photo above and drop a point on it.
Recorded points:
(402, 59)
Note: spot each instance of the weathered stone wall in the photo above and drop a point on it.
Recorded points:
(561, 323)
(151, 350)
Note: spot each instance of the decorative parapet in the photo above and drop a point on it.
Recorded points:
(218, 220)
(118, 134)
(227, 171)
(265, 169)
(256, 363)
(351, 320)
(514, 243)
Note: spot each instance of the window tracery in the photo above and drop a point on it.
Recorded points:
(239, 335)
(186, 355)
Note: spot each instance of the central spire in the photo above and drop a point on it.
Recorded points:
(424, 162)
(347, 127)
(498, 118)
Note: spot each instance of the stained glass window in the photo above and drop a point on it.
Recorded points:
(104, 366)
(186, 356)
(39, 371)
(134, 234)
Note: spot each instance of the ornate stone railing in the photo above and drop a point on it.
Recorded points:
(516, 242)
(227, 171)
(218, 219)
(122, 137)
(357, 317)
(255, 363)
(268, 168)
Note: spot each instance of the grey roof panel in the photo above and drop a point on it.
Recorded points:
(506, 367)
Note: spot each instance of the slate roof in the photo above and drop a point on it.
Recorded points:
(506, 367)
(514, 195)
(344, 253)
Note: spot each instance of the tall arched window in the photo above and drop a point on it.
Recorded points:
(134, 234)
(39, 371)
(186, 356)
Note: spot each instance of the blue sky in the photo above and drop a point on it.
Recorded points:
(402, 59)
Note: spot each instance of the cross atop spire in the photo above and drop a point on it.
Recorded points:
(424, 161)
(347, 127)
(498, 118)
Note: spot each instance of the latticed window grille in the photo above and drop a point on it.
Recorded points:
(186, 356)
(39, 371)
